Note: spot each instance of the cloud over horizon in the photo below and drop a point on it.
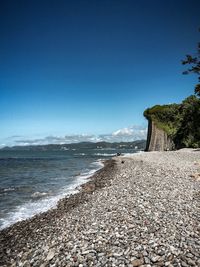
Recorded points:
(128, 134)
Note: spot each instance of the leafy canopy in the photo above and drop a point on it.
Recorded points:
(194, 62)
(180, 121)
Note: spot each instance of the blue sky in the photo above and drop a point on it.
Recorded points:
(69, 68)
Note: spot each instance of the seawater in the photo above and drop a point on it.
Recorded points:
(33, 181)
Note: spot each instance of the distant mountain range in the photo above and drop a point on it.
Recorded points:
(139, 145)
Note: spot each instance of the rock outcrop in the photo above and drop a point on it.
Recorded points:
(157, 139)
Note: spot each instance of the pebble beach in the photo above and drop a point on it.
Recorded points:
(141, 209)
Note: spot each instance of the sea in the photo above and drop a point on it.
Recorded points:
(34, 181)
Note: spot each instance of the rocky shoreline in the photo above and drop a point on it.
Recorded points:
(139, 210)
(14, 238)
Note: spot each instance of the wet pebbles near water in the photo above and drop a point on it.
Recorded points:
(144, 212)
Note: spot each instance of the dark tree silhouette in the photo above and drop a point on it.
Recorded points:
(194, 62)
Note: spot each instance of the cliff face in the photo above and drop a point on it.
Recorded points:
(157, 139)
(174, 126)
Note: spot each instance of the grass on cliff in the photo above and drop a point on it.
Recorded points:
(180, 121)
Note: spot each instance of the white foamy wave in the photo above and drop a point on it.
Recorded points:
(98, 164)
(105, 148)
(64, 148)
(32, 208)
(105, 154)
(80, 154)
(28, 210)
(39, 194)
(132, 154)
(9, 189)
(87, 174)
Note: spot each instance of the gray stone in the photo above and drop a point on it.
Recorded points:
(147, 260)
(137, 262)
(51, 254)
(191, 262)
(184, 264)
(155, 258)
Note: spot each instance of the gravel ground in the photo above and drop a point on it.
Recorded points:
(140, 210)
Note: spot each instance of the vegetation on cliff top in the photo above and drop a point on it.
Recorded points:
(180, 121)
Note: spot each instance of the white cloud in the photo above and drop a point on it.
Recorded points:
(127, 134)
(123, 132)
(58, 140)
(2, 145)
(131, 133)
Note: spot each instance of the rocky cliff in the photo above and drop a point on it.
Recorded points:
(174, 126)
(157, 139)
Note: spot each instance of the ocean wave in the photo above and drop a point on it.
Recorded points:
(28, 210)
(27, 159)
(5, 191)
(99, 164)
(64, 148)
(8, 189)
(96, 165)
(105, 154)
(44, 201)
(39, 194)
(132, 154)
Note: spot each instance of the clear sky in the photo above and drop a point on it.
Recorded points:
(90, 67)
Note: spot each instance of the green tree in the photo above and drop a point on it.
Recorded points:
(194, 62)
(188, 134)
(180, 121)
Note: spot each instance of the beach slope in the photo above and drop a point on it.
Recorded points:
(140, 210)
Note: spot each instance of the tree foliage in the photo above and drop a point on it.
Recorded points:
(180, 121)
(194, 62)
(188, 134)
